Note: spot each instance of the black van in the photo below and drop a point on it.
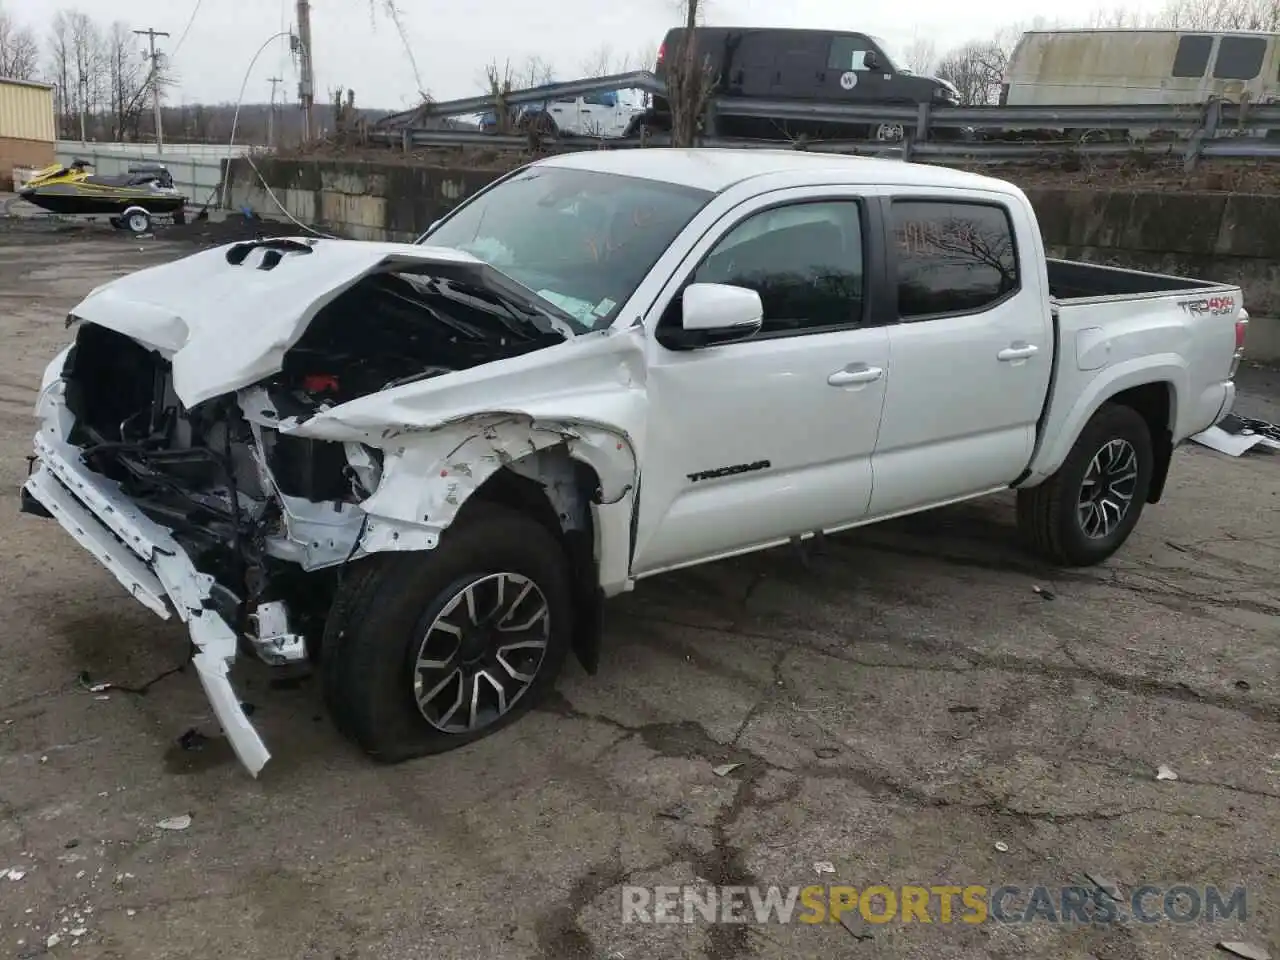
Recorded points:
(813, 66)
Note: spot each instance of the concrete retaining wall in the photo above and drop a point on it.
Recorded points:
(1232, 238)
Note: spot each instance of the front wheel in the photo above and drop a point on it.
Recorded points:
(431, 651)
(1084, 512)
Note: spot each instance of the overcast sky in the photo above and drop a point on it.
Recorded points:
(452, 41)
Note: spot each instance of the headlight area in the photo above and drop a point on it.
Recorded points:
(269, 517)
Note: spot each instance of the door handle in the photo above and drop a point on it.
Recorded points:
(855, 373)
(1017, 351)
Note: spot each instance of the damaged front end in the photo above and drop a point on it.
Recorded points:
(237, 513)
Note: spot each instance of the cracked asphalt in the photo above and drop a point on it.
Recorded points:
(902, 703)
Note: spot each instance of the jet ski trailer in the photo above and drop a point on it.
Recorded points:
(129, 201)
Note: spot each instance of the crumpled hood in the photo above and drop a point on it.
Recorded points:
(225, 317)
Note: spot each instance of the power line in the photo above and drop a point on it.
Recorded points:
(187, 28)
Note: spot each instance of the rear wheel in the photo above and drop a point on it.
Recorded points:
(1084, 512)
(139, 221)
(434, 650)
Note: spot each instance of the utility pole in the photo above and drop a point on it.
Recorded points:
(306, 81)
(271, 112)
(154, 57)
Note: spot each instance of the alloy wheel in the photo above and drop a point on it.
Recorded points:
(1107, 490)
(481, 652)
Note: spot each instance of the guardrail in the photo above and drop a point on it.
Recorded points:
(1214, 129)
(635, 80)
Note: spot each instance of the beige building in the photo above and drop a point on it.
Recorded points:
(27, 130)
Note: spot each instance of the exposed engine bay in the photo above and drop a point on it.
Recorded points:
(269, 515)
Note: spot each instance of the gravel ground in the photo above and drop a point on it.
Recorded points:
(904, 708)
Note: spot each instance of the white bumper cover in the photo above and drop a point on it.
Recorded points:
(151, 565)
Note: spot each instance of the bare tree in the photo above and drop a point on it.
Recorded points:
(920, 55)
(976, 69)
(19, 50)
(1220, 15)
(535, 73)
(690, 78)
(128, 80)
(1122, 18)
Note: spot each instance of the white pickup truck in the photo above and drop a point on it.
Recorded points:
(423, 466)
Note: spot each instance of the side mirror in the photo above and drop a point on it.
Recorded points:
(715, 313)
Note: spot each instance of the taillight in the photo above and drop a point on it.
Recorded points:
(1242, 329)
(662, 53)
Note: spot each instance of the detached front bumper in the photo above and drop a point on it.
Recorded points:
(151, 565)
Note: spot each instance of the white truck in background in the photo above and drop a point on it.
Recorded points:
(424, 466)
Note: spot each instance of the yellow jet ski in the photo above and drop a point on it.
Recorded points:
(129, 199)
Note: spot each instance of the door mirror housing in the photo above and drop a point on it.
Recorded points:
(715, 313)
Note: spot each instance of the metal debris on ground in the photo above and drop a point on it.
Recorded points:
(853, 922)
(192, 739)
(824, 866)
(1247, 950)
(1237, 435)
(1112, 890)
(14, 874)
(1164, 772)
(725, 769)
(175, 823)
(1002, 846)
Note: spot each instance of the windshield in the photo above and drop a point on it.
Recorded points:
(581, 240)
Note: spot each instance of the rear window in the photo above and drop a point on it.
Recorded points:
(1239, 58)
(952, 257)
(1192, 58)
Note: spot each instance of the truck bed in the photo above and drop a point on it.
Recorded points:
(1076, 280)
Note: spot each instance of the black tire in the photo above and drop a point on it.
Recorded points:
(1048, 515)
(373, 636)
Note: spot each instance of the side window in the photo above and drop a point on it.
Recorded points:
(847, 53)
(952, 257)
(1239, 58)
(805, 261)
(1192, 58)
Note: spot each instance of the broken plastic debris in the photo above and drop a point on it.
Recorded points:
(1247, 950)
(725, 769)
(175, 823)
(79, 931)
(53, 941)
(15, 874)
(1002, 846)
(824, 866)
(131, 912)
(1165, 773)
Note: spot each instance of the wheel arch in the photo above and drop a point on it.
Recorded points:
(559, 491)
(1154, 390)
(1154, 402)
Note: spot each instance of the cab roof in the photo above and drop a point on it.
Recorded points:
(715, 169)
